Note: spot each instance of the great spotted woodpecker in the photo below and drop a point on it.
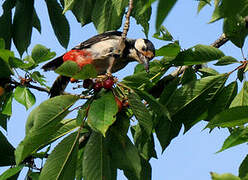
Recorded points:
(100, 51)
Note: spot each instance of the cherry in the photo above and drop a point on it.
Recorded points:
(73, 80)
(108, 83)
(119, 103)
(87, 83)
(97, 86)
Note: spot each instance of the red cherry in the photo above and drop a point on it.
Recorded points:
(97, 86)
(73, 80)
(107, 84)
(119, 103)
(87, 83)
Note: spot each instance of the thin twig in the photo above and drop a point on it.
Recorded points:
(220, 41)
(31, 86)
(127, 23)
(126, 27)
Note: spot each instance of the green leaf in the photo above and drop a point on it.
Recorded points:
(6, 54)
(202, 4)
(87, 71)
(141, 113)
(226, 60)
(170, 50)
(7, 152)
(229, 8)
(240, 74)
(137, 80)
(232, 117)
(61, 163)
(188, 76)
(7, 107)
(68, 68)
(2, 43)
(22, 24)
(155, 105)
(223, 100)
(226, 176)
(102, 112)
(3, 121)
(189, 103)
(26, 64)
(37, 77)
(83, 10)
(168, 91)
(36, 22)
(144, 143)
(146, 6)
(4, 69)
(65, 127)
(197, 55)
(34, 175)
(120, 5)
(68, 4)
(195, 90)
(235, 29)
(242, 98)
(96, 160)
(141, 18)
(164, 7)
(163, 34)
(105, 17)
(124, 154)
(208, 72)
(46, 120)
(238, 136)
(166, 130)
(40, 54)
(11, 172)
(6, 22)
(83, 112)
(24, 96)
(243, 168)
(59, 22)
(79, 168)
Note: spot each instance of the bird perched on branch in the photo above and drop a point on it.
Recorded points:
(102, 52)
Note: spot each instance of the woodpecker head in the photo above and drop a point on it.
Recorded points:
(143, 52)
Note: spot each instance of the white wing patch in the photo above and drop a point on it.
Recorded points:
(104, 49)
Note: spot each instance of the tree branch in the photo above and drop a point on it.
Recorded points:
(126, 27)
(30, 86)
(219, 42)
(127, 22)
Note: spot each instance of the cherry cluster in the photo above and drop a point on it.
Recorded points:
(98, 84)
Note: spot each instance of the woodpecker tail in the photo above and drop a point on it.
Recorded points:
(59, 86)
(54, 64)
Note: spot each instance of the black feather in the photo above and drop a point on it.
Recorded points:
(54, 64)
(59, 86)
(97, 38)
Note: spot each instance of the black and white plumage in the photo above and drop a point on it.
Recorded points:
(103, 50)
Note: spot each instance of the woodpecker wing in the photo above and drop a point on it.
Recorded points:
(100, 46)
(98, 38)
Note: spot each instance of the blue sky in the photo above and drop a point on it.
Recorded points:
(190, 156)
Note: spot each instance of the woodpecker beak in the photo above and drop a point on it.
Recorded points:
(144, 60)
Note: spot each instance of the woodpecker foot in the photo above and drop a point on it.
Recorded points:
(105, 77)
